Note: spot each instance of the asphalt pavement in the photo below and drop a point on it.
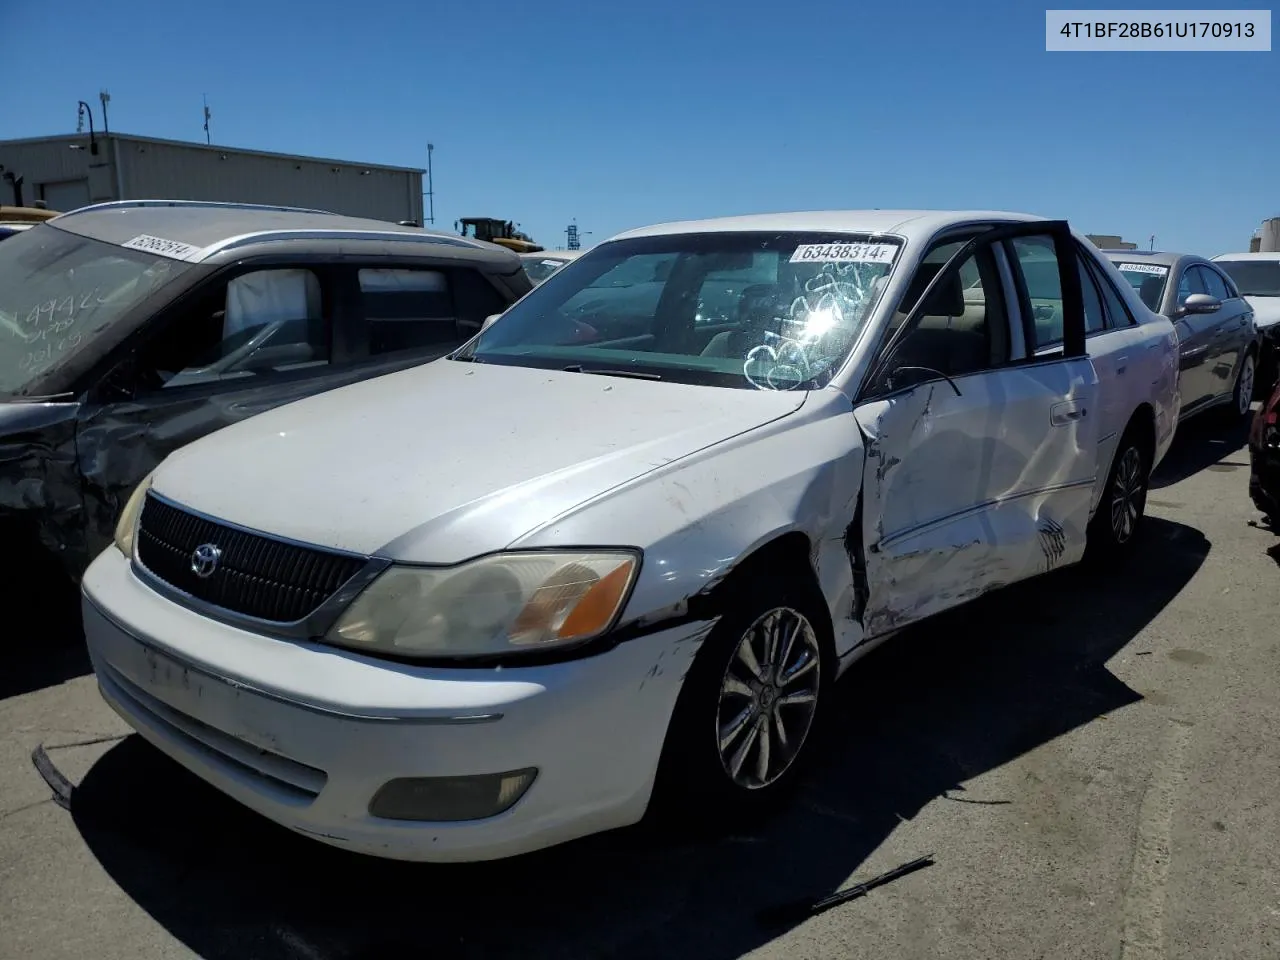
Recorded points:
(1092, 759)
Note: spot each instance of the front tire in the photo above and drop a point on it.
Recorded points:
(1120, 513)
(747, 718)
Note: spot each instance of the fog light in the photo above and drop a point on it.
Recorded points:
(442, 799)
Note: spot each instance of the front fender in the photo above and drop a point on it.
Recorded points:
(701, 517)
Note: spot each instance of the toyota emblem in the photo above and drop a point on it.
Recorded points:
(204, 560)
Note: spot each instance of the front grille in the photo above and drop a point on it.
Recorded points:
(256, 575)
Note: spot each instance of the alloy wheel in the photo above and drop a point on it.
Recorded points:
(1127, 495)
(768, 698)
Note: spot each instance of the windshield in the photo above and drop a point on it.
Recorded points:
(772, 311)
(1148, 279)
(539, 270)
(57, 291)
(1255, 278)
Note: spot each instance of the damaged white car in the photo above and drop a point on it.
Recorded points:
(598, 560)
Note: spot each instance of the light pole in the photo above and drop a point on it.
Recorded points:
(105, 98)
(93, 143)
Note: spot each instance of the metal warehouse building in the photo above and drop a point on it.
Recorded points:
(71, 171)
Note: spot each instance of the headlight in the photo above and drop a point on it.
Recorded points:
(505, 603)
(128, 522)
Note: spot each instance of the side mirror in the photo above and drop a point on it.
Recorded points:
(488, 321)
(1201, 303)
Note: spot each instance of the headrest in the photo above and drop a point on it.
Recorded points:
(947, 300)
(1150, 291)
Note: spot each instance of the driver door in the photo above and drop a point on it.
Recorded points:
(980, 455)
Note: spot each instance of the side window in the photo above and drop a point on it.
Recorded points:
(1095, 319)
(407, 309)
(475, 298)
(1038, 261)
(1118, 314)
(264, 321)
(1188, 284)
(964, 327)
(1213, 283)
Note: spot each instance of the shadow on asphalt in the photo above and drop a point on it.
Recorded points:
(916, 719)
(44, 639)
(1205, 442)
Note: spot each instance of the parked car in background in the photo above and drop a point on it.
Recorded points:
(129, 329)
(544, 263)
(1218, 341)
(1264, 459)
(670, 538)
(1257, 277)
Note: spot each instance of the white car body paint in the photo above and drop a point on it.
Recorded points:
(439, 464)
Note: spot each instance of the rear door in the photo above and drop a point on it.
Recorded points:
(981, 458)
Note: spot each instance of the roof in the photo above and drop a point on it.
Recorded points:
(1158, 257)
(1271, 256)
(132, 138)
(194, 230)
(912, 224)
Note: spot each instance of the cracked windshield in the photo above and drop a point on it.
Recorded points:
(767, 312)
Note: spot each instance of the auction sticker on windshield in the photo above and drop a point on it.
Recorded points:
(844, 253)
(159, 245)
(1155, 269)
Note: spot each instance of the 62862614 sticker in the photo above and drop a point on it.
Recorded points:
(844, 253)
(173, 249)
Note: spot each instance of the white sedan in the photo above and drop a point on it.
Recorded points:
(544, 263)
(602, 562)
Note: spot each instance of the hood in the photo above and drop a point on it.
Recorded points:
(448, 460)
(1266, 310)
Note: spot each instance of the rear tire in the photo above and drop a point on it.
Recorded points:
(1123, 507)
(749, 714)
(1246, 380)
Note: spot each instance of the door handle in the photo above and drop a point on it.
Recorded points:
(1070, 411)
(1122, 364)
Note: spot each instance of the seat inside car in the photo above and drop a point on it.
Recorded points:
(951, 334)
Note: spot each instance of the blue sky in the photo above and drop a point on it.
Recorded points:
(621, 114)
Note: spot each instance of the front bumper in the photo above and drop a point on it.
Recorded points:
(306, 734)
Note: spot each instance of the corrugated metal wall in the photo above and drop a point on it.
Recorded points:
(65, 165)
(150, 169)
(181, 172)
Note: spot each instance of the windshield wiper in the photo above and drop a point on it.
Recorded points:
(634, 374)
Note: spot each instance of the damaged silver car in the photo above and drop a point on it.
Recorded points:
(654, 527)
(129, 329)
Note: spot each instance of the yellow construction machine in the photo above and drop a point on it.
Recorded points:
(501, 232)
